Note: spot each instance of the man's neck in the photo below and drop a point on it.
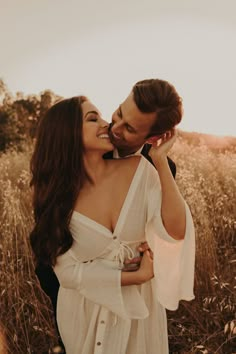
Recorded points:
(126, 152)
(123, 153)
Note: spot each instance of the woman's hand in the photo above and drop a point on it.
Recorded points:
(143, 274)
(161, 146)
(145, 271)
(131, 265)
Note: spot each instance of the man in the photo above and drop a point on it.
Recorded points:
(152, 109)
(148, 114)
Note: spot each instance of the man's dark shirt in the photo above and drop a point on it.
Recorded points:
(46, 276)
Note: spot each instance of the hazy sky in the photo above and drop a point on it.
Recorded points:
(100, 48)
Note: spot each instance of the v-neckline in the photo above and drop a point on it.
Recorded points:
(124, 207)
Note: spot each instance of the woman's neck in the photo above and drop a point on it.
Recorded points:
(95, 166)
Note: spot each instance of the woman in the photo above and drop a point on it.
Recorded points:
(90, 216)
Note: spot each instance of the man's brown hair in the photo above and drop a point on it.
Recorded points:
(154, 95)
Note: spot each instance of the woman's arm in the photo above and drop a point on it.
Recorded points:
(142, 275)
(69, 271)
(169, 232)
(172, 207)
(101, 282)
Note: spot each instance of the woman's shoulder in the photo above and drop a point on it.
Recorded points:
(125, 166)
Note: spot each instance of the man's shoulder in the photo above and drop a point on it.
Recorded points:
(108, 155)
(145, 151)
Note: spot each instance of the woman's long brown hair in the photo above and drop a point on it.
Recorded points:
(58, 174)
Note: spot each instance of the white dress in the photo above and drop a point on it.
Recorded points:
(95, 314)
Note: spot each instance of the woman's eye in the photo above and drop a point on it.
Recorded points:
(93, 119)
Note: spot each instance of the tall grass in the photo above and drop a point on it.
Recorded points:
(26, 315)
(207, 179)
(206, 325)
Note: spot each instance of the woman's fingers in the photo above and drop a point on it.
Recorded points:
(143, 247)
(133, 260)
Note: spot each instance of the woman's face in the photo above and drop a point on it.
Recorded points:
(95, 129)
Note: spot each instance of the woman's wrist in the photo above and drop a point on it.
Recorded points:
(132, 278)
(159, 161)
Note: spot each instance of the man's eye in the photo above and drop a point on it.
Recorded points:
(129, 129)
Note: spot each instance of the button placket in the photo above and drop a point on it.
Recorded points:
(101, 331)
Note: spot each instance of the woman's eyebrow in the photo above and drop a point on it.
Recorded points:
(94, 112)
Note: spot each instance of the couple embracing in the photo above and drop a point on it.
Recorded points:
(102, 195)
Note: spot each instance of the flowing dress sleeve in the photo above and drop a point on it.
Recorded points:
(173, 259)
(99, 281)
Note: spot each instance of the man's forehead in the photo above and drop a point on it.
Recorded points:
(132, 115)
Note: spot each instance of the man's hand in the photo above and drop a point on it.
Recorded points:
(131, 265)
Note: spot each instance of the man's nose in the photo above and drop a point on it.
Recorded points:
(116, 127)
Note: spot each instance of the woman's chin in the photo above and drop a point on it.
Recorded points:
(110, 148)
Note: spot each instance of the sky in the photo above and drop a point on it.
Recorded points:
(100, 48)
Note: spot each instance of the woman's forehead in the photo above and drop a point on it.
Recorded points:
(88, 106)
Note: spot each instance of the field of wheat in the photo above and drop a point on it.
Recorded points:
(207, 324)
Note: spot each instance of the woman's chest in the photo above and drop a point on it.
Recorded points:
(93, 240)
(104, 204)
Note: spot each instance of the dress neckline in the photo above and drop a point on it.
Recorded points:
(127, 200)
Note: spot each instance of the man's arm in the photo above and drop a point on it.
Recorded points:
(50, 285)
(48, 282)
(172, 166)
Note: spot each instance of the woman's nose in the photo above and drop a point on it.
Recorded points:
(104, 123)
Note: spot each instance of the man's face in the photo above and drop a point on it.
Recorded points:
(130, 127)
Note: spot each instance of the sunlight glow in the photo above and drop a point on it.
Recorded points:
(194, 54)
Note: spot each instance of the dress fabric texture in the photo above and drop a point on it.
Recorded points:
(95, 314)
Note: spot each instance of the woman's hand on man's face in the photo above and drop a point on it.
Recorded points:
(162, 145)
